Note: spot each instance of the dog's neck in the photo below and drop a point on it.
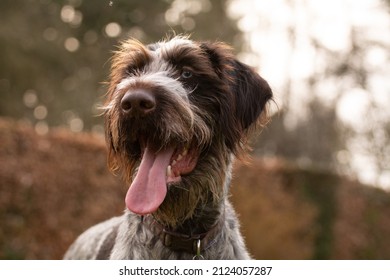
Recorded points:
(196, 234)
(187, 241)
(208, 214)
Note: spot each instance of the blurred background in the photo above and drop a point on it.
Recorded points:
(321, 168)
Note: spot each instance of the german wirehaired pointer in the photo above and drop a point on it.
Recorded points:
(177, 113)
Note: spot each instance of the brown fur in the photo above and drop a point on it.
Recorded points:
(193, 124)
(209, 112)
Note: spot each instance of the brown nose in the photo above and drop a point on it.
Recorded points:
(138, 103)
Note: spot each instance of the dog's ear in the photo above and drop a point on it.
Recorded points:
(250, 91)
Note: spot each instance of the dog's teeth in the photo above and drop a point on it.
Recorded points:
(185, 152)
(179, 157)
(169, 171)
(173, 162)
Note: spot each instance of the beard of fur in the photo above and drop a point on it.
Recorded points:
(199, 193)
(185, 124)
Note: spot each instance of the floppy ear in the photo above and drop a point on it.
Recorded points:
(250, 91)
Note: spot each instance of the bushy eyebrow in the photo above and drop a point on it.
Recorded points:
(132, 54)
(191, 56)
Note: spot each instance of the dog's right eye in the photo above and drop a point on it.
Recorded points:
(131, 70)
(135, 69)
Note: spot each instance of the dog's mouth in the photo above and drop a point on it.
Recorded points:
(158, 169)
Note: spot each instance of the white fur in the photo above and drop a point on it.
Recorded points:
(159, 79)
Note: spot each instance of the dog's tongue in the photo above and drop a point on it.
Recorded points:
(149, 187)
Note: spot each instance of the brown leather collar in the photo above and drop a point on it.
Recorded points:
(193, 244)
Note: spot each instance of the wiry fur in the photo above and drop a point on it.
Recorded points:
(210, 113)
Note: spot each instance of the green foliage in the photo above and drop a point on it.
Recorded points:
(320, 188)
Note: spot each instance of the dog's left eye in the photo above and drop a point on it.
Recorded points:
(186, 74)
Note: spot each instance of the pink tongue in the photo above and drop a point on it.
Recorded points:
(149, 187)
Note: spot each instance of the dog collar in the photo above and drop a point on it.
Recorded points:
(194, 244)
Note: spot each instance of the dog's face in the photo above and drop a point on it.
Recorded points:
(175, 112)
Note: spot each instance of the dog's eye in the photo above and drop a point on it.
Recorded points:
(130, 71)
(186, 74)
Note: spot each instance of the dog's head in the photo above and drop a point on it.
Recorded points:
(175, 112)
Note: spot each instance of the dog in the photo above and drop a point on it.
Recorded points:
(177, 114)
